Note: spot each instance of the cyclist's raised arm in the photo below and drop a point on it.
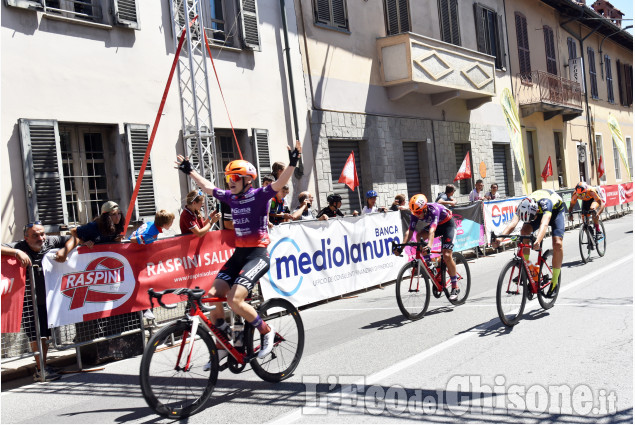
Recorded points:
(185, 166)
(286, 174)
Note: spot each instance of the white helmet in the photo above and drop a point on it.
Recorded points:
(527, 209)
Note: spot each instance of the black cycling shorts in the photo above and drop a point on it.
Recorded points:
(586, 205)
(447, 232)
(245, 267)
(556, 223)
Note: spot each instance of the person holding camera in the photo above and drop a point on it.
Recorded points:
(304, 212)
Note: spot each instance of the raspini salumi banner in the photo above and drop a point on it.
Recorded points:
(13, 283)
(317, 260)
(113, 279)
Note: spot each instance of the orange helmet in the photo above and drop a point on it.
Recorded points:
(418, 204)
(241, 168)
(581, 187)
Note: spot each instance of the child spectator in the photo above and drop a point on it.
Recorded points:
(493, 192)
(149, 232)
(278, 209)
(191, 218)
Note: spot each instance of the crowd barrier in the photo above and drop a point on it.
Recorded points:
(311, 261)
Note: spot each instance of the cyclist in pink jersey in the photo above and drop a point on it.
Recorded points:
(250, 261)
(437, 220)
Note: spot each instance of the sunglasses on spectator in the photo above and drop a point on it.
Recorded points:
(35, 223)
(233, 177)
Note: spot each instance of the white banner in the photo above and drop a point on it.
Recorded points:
(576, 72)
(497, 215)
(86, 285)
(318, 260)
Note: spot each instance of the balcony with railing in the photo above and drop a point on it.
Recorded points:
(539, 91)
(412, 63)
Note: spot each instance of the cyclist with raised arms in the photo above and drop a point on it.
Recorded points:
(591, 200)
(541, 209)
(250, 260)
(437, 220)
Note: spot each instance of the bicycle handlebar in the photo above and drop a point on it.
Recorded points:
(531, 237)
(192, 294)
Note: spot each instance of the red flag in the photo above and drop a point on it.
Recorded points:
(465, 172)
(349, 173)
(600, 168)
(548, 170)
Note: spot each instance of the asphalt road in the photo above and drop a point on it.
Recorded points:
(363, 362)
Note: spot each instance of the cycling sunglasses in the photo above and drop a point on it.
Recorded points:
(35, 223)
(233, 178)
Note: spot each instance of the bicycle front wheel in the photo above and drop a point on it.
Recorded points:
(284, 319)
(463, 278)
(172, 387)
(413, 291)
(586, 243)
(601, 243)
(547, 297)
(511, 293)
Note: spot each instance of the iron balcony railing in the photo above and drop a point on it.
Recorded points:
(543, 87)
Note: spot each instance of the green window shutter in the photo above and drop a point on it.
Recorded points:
(249, 24)
(260, 140)
(126, 13)
(43, 175)
(137, 139)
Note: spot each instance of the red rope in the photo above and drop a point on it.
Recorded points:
(135, 193)
(209, 52)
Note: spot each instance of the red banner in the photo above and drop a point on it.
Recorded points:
(617, 194)
(13, 283)
(108, 280)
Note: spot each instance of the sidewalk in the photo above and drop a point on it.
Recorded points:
(25, 367)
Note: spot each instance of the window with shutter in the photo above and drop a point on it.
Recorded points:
(592, 73)
(609, 79)
(137, 138)
(523, 46)
(126, 13)
(572, 48)
(412, 164)
(43, 176)
(397, 14)
(489, 37)
(249, 24)
(550, 50)
(621, 83)
(628, 76)
(449, 19)
(260, 139)
(332, 13)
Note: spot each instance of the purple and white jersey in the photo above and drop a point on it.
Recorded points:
(250, 212)
(435, 215)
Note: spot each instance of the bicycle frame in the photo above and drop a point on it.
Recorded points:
(534, 285)
(435, 278)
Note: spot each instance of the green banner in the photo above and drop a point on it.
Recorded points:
(510, 111)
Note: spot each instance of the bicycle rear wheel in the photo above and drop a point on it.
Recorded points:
(463, 279)
(511, 293)
(601, 243)
(546, 299)
(285, 320)
(586, 244)
(413, 291)
(168, 388)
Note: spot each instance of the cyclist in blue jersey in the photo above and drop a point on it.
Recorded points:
(250, 261)
(437, 220)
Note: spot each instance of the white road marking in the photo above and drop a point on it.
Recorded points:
(375, 378)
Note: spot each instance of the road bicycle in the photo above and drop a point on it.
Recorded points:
(589, 238)
(413, 281)
(180, 364)
(517, 283)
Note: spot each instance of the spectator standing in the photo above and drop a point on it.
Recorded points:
(304, 212)
(399, 203)
(267, 179)
(191, 220)
(447, 198)
(333, 208)
(31, 251)
(278, 209)
(107, 228)
(277, 168)
(493, 193)
(475, 195)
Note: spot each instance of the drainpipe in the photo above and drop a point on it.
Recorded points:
(586, 92)
(299, 171)
(602, 43)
